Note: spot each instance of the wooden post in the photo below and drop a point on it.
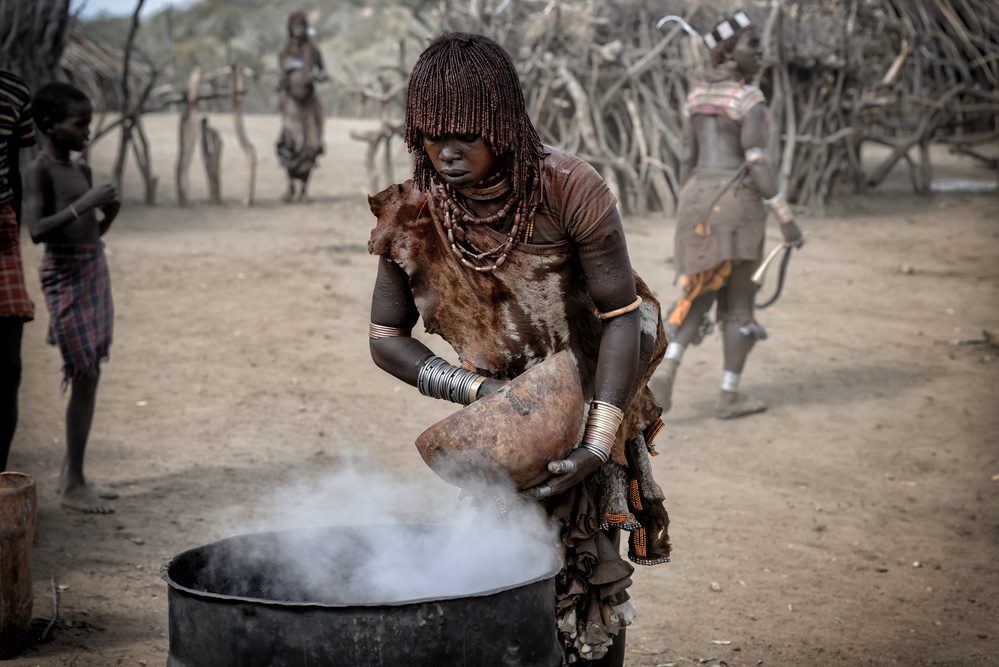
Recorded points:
(236, 91)
(187, 136)
(211, 152)
(385, 108)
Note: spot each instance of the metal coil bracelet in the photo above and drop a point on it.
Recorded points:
(601, 429)
(439, 379)
(379, 331)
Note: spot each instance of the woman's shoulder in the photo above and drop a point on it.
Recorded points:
(560, 167)
(574, 194)
(395, 197)
(398, 208)
(750, 92)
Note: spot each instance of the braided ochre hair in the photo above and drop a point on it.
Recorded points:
(467, 84)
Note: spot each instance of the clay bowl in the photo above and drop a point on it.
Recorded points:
(513, 434)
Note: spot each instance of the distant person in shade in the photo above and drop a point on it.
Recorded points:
(301, 142)
(726, 179)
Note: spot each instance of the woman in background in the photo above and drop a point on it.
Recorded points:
(301, 142)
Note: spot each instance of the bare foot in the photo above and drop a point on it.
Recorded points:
(99, 490)
(102, 491)
(288, 196)
(733, 404)
(84, 499)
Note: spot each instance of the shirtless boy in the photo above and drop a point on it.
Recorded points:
(61, 206)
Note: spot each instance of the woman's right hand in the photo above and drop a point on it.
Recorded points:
(792, 234)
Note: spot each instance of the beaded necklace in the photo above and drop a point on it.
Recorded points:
(463, 248)
(65, 163)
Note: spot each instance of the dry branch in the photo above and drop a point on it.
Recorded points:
(236, 91)
(186, 137)
(211, 153)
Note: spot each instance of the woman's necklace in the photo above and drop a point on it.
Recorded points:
(65, 163)
(463, 248)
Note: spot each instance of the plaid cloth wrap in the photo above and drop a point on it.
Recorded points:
(77, 288)
(14, 301)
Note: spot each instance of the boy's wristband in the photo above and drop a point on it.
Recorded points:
(72, 209)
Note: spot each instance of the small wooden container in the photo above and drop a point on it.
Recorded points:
(17, 530)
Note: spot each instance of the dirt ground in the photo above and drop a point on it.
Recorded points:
(856, 522)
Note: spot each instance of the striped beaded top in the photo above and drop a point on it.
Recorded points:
(728, 98)
(16, 130)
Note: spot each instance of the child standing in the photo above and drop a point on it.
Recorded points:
(61, 207)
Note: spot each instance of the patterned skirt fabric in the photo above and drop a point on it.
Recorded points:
(14, 301)
(77, 287)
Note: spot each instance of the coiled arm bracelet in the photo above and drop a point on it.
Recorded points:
(439, 379)
(601, 429)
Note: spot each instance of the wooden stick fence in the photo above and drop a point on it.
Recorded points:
(602, 82)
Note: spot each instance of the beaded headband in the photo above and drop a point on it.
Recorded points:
(726, 29)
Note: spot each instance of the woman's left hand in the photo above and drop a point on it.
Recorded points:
(565, 474)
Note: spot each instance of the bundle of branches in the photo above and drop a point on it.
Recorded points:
(96, 67)
(943, 84)
(31, 38)
(601, 81)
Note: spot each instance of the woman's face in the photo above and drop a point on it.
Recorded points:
(298, 28)
(462, 160)
(747, 52)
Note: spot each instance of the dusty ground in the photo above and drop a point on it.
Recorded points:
(856, 522)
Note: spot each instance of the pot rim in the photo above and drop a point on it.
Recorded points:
(165, 575)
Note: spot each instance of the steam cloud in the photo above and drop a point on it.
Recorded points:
(361, 537)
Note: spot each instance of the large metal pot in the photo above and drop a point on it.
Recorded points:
(310, 597)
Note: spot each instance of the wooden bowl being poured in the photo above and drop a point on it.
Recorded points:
(512, 434)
